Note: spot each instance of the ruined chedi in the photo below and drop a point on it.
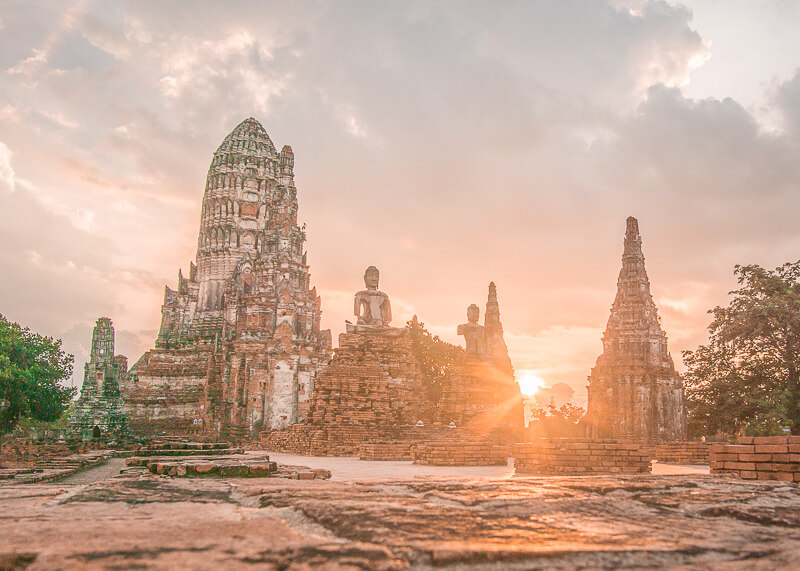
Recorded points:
(240, 344)
(483, 393)
(634, 390)
(99, 413)
(374, 379)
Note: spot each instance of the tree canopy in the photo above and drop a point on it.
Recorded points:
(745, 380)
(563, 421)
(31, 369)
(437, 358)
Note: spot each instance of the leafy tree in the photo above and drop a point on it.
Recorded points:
(562, 421)
(437, 358)
(31, 368)
(745, 380)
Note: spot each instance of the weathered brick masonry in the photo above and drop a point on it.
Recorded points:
(368, 402)
(457, 452)
(374, 380)
(240, 344)
(579, 456)
(758, 458)
(680, 452)
(635, 393)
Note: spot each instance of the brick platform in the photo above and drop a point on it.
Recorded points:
(308, 440)
(758, 458)
(374, 380)
(460, 453)
(680, 452)
(579, 456)
(386, 450)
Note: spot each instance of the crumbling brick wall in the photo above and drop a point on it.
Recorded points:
(680, 452)
(579, 456)
(452, 452)
(758, 458)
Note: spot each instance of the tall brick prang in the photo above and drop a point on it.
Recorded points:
(634, 390)
(240, 344)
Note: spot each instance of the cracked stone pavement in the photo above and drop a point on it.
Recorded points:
(145, 521)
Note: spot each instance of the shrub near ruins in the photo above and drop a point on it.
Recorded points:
(746, 380)
(562, 422)
(438, 360)
(31, 370)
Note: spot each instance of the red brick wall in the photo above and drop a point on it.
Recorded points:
(579, 456)
(460, 453)
(386, 450)
(680, 452)
(758, 458)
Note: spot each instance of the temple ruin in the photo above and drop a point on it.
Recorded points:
(99, 410)
(483, 393)
(240, 345)
(634, 390)
(374, 399)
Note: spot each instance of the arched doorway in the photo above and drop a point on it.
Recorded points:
(96, 432)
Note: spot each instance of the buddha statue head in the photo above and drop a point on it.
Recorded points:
(371, 277)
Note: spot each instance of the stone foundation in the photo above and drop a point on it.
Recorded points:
(680, 452)
(165, 392)
(426, 445)
(22, 451)
(758, 458)
(307, 440)
(564, 456)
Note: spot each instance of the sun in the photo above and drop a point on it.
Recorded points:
(530, 383)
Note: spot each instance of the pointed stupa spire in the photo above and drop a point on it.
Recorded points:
(634, 390)
(495, 342)
(633, 285)
(492, 315)
(633, 240)
(634, 317)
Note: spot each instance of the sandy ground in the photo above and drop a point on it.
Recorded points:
(350, 469)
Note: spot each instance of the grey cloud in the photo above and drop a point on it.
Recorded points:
(448, 143)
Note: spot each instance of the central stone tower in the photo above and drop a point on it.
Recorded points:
(240, 342)
(634, 390)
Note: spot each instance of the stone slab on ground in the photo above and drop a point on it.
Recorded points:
(484, 523)
(253, 465)
(189, 452)
(52, 469)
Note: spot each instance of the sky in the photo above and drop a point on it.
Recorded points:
(447, 143)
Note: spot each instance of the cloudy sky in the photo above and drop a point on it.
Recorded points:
(447, 143)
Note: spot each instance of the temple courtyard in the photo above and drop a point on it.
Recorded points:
(397, 515)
